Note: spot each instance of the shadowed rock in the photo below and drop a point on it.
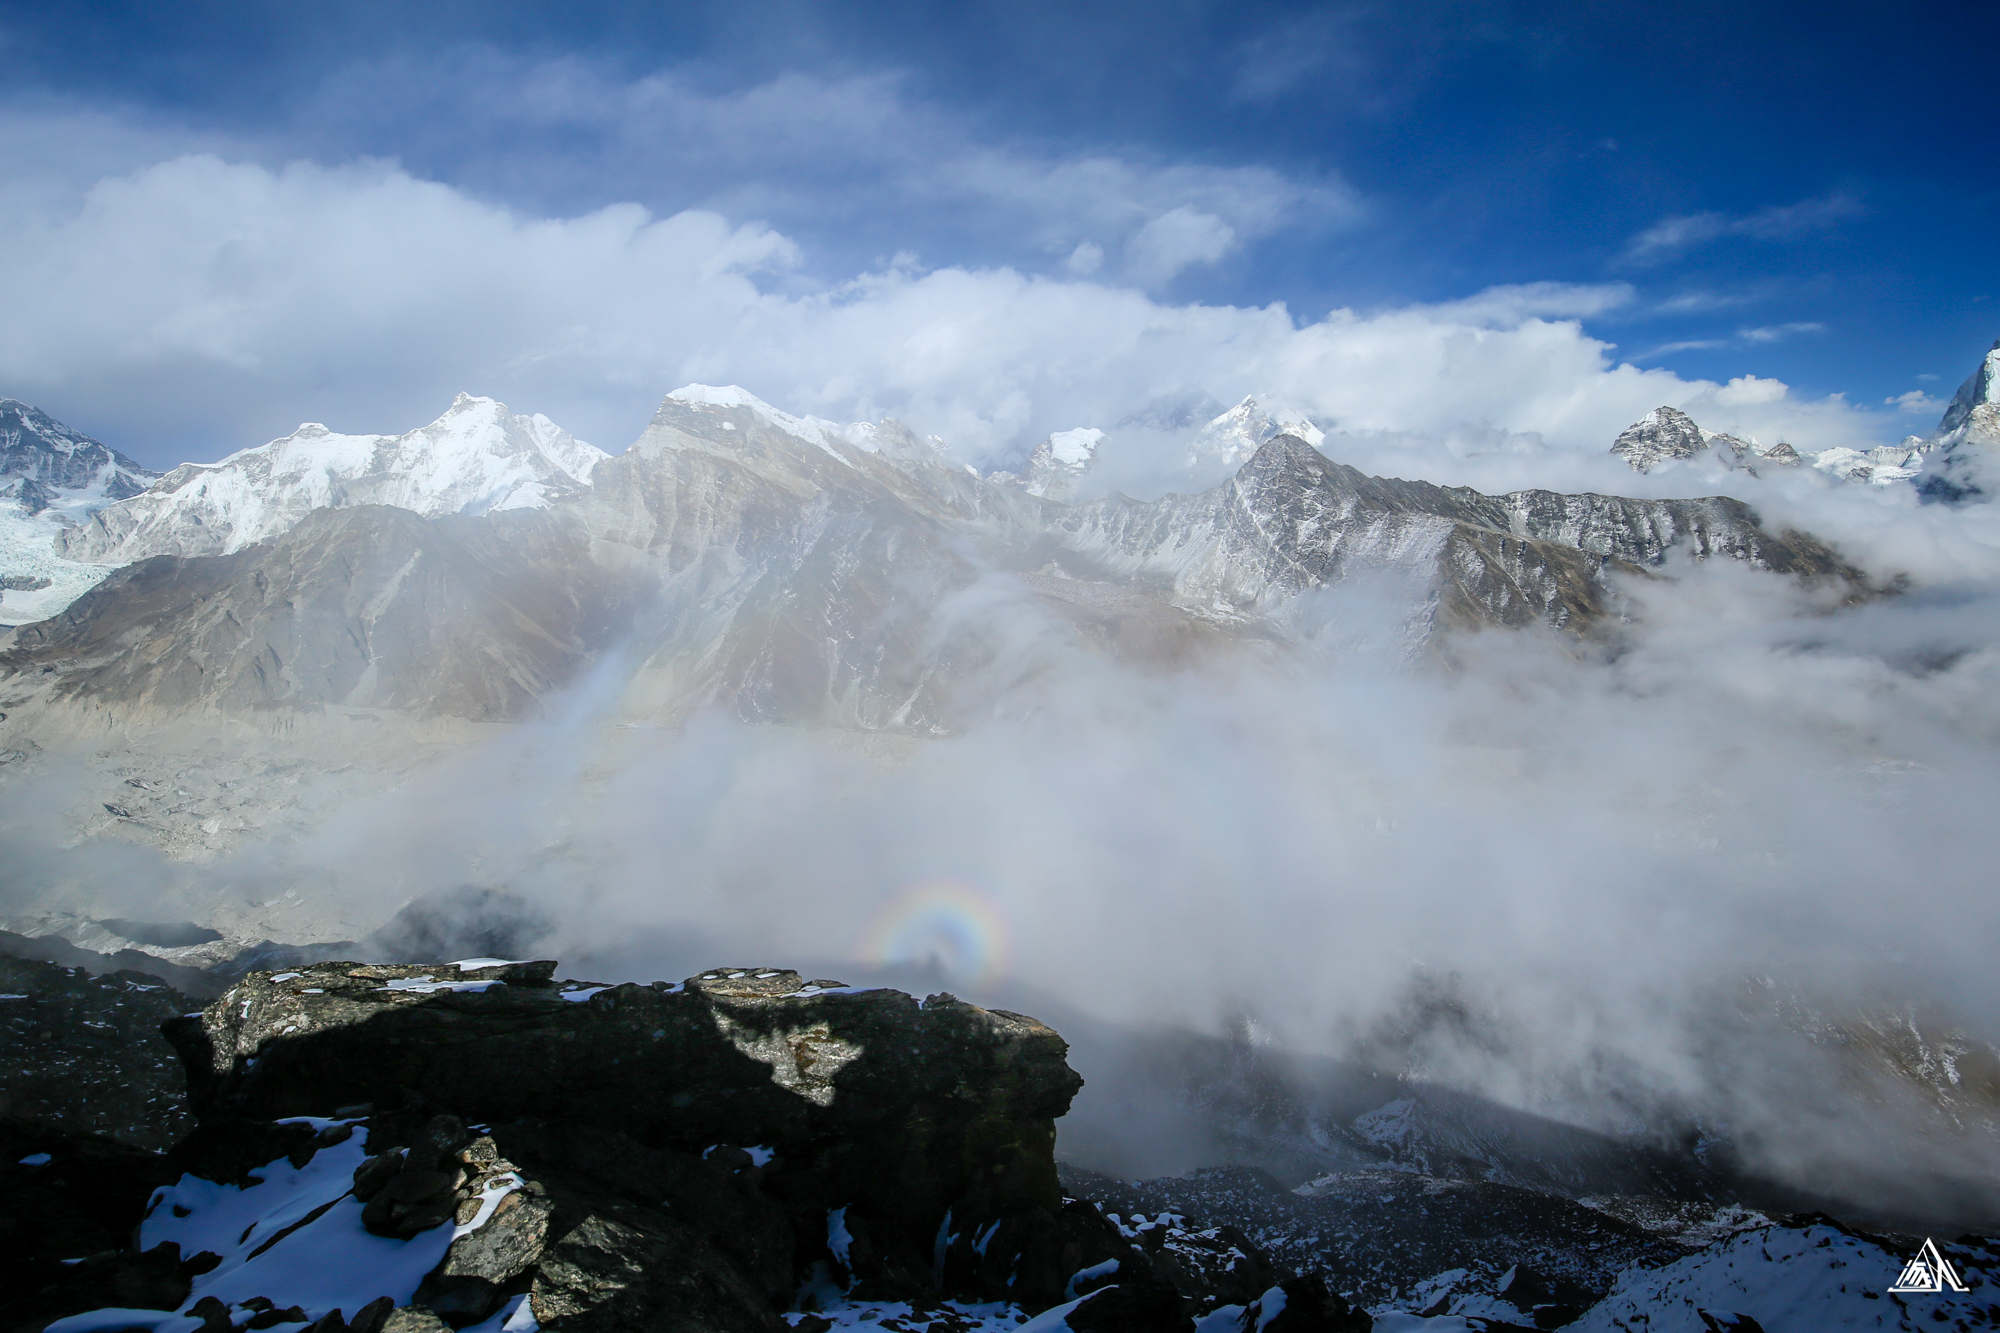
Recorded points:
(902, 1110)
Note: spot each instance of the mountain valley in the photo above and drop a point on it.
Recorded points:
(481, 691)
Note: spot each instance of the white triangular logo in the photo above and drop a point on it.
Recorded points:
(1928, 1272)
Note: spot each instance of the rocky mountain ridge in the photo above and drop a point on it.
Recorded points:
(1951, 464)
(40, 457)
(1061, 467)
(791, 572)
(1667, 434)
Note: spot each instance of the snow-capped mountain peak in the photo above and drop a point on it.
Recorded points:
(1965, 456)
(813, 430)
(477, 458)
(699, 411)
(1231, 438)
(51, 479)
(1056, 465)
(1981, 389)
(42, 459)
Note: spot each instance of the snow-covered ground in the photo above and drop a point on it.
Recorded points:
(294, 1238)
(1814, 1279)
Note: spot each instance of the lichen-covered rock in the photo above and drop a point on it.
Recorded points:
(447, 1146)
(748, 1225)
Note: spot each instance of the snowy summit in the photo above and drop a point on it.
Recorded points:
(478, 458)
(51, 479)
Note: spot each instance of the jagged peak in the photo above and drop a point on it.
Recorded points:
(1260, 418)
(813, 430)
(1286, 451)
(887, 437)
(25, 424)
(1662, 435)
(1982, 386)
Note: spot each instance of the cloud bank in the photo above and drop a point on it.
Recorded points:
(1655, 883)
(200, 304)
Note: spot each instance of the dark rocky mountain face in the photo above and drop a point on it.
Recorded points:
(40, 456)
(792, 579)
(85, 1051)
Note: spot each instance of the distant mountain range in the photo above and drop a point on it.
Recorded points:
(784, 568)
(791, 568)
(478, 458)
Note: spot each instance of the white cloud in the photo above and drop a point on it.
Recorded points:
(824, 158)
(1916, 401)
(1673, 235)
(1086, 259)
(1688, 345)
(1751, 336)
(1175, 240)
(1701, 301)
(1778, 332)
(1510, 305)
(199, 305)
(1750, 391)
(1301, 50)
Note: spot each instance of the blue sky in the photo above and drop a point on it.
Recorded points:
(1794, 193)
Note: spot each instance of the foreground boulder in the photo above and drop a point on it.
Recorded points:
(899, 1109)
(477, 1146)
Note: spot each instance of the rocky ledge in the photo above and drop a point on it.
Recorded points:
(407, 1149)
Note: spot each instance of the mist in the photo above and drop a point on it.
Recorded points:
(1662, 884)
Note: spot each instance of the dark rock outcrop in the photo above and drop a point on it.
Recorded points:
(698, 1156)
(64, 1197)
(903, 1109)
(83, 1054)
(703, 1147)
